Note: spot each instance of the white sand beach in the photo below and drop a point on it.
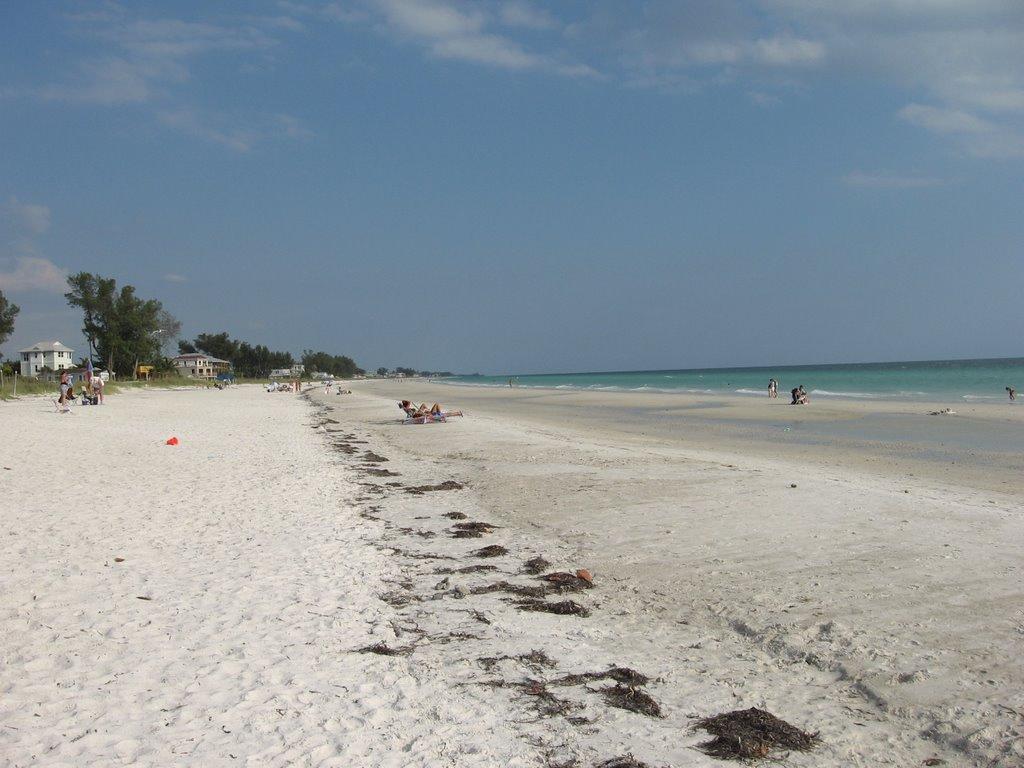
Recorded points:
(876, 603)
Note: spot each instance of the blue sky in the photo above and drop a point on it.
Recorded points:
(507, 186)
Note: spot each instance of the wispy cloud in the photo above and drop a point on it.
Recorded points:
(151, 61)
(217, 129)
(172, 277)
(882, 180)
(189, 122)
(982, 138)
(28, 217)
(518, 13)
(466, 33)
(32, 273)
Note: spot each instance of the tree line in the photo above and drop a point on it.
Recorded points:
(124, 330)
(253, 361)
(401, 370)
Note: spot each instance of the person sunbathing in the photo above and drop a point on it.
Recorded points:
(423, 410)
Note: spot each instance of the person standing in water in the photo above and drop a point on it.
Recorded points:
(1012, 392)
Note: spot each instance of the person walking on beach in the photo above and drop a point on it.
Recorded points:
(773, 388)
(65, 392)
(1012, 392)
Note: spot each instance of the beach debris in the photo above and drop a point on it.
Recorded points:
(512, 589)
(398, 599)
(745, 734)
(171, 441)
(118, 559)
(472, 530)
(586, 575)
(632, 699)
(536, 565)
(536, 660)
(792, 485)
(455, 515)
(381, 472)
(447, 485)
(418, 555)
(563, 581)
(563, 608)
(142, 597)
(494, 550)
(933, 761)
(373, 458)
(383, 649)
(544, 702)
(467, 569)
(623, 675)
(623, 761)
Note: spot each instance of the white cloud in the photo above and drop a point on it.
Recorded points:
(788, 51)
(172, 277)
(189, 122)
(34, 219)
(215, 128)
(460, 32)
(881, 180)
(981, 138)
(32, 273)
(292, 127)
(763, 99)
(144, 56)
(940, 120)
(518, 13)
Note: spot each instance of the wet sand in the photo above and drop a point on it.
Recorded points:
(884, 575)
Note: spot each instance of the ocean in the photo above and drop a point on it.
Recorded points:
(953, 381)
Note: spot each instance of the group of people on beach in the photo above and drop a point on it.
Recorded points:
(799, 394)
(91, 392)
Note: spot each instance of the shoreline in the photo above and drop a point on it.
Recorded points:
(981, 446)
(897, 586)
(316, 599)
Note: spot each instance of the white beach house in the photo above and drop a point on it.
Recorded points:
(45, 355)
(198, 365)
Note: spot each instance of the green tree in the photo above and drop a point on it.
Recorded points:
(217, 345)
(8, 312)
(382, 371)
(121, 328)
(186, 347)
(334, 365)
(169, 327)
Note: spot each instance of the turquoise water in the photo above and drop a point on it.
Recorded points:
(940, 380)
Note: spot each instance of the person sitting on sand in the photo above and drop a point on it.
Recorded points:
(1012, 392)
(799, 396)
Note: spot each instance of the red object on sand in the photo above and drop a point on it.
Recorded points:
(172, 441)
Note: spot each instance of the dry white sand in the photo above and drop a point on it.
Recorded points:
(888, 621)
(259, 579)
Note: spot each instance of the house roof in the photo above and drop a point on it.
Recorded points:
(47, 346)
(200, 356)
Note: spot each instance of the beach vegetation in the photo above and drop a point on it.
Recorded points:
(121, 328)
(341, 366)
(248, 361)
(8, 311)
